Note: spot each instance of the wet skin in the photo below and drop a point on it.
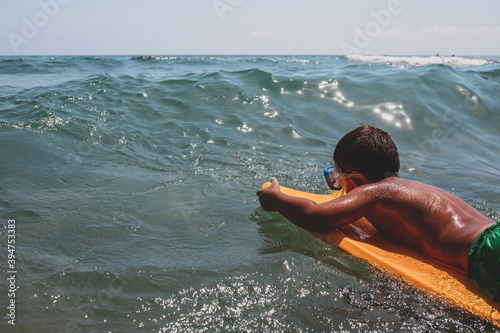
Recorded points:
(416, 215)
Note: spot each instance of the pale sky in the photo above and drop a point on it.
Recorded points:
(172, 27)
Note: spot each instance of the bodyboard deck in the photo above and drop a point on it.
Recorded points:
(362, 240)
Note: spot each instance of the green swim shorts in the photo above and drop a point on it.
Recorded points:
(483, 265)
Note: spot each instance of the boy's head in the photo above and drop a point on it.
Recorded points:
(369, 151)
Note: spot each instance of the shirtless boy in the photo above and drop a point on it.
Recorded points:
(413, 214)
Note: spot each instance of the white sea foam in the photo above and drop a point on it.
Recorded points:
(418, 60)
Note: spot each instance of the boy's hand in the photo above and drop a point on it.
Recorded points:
(265, 195)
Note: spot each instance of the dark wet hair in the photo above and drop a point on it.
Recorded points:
(368, 150)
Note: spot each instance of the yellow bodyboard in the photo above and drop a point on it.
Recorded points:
(362, 240)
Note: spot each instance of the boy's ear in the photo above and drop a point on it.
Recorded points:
(357, 174)
(359, 177)
(349, 184)
(356, 179)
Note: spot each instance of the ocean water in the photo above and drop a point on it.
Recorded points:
(130, 184)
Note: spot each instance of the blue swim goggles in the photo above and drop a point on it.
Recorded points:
(331, 174)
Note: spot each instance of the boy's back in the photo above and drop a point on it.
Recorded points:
(426, 218)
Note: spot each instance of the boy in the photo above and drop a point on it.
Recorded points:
(413, 214)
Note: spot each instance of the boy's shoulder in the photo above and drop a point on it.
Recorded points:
(398, 182)
(395, 187)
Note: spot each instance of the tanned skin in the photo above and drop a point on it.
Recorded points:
(413, 214)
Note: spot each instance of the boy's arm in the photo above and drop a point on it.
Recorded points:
(309, 215)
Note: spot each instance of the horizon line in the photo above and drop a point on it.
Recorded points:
(247, 55)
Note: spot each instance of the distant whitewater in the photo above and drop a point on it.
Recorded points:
(132, 183)
(419, 61)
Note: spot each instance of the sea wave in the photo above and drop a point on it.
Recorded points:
(419, 60)
(163, 155)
